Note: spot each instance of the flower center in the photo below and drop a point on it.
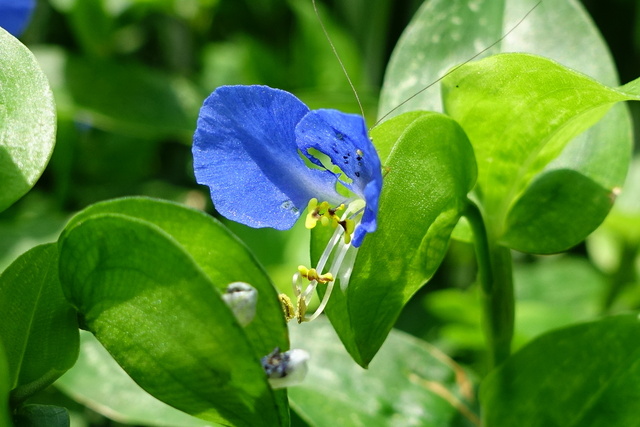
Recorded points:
(326, 215)
(338, 254)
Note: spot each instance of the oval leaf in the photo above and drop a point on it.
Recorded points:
(520, 111)
(160, 316)
(41, 338)
(431, 170)
(27, 120)
(221, 256)
(444, 33)
(576, 376)
(97, 381)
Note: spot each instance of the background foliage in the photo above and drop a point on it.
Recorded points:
(128, 78)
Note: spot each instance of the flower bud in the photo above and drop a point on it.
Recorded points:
(285, 369)
(242, 299)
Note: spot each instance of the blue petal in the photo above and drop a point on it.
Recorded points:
(343, 138)
(368, 222)
(15, 14)
(245, 150)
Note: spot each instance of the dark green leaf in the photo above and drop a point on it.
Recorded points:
(221, 256)
(159, 312)
(27, 120)
(587, 374)
(132, 99)
(409, 383)
(98, 382)
(431, 169)
(40, 332)
(92, 26)
(5, 387)
(42, 416)
(539, 217)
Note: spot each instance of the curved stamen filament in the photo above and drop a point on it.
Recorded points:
(313, 275)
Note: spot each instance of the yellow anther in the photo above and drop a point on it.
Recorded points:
(302, 309)
(322, 212)
(312, 274)
(348, 225)
(287, 306)
(312, 214)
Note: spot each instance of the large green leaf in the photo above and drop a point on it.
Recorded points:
(431, 170)
(27, 120)
(409, 383)
(39, 330)
(147, 280)
(445, 33)
(520, 111)
(97, 381)
(222, 257)
(587, 374)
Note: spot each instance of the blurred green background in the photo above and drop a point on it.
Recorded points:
(130, 75)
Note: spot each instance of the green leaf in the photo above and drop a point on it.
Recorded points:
(41, 332)
(41, 416)
(445, 33)
(92, 26)
(431, 170)
(221, 256)
(5, 387)
(27, 120)
(587, 374)
(558, 210)
(153, 302)
(97, 381)
(520, 111)
(409, 383)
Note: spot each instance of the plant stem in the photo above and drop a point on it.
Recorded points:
(496, 281)
(623, 275)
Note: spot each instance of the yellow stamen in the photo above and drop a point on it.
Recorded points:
(326, 215)
(302, 309)
(348, 225)
(312, 274)
(312, 214)
(287, 306)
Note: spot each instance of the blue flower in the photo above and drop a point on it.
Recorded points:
(265, 157)
(15, 15)
(263, 154)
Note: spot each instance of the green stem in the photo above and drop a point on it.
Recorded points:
(623, 275)
(496, 281)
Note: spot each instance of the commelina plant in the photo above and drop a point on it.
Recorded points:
(516, 151)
